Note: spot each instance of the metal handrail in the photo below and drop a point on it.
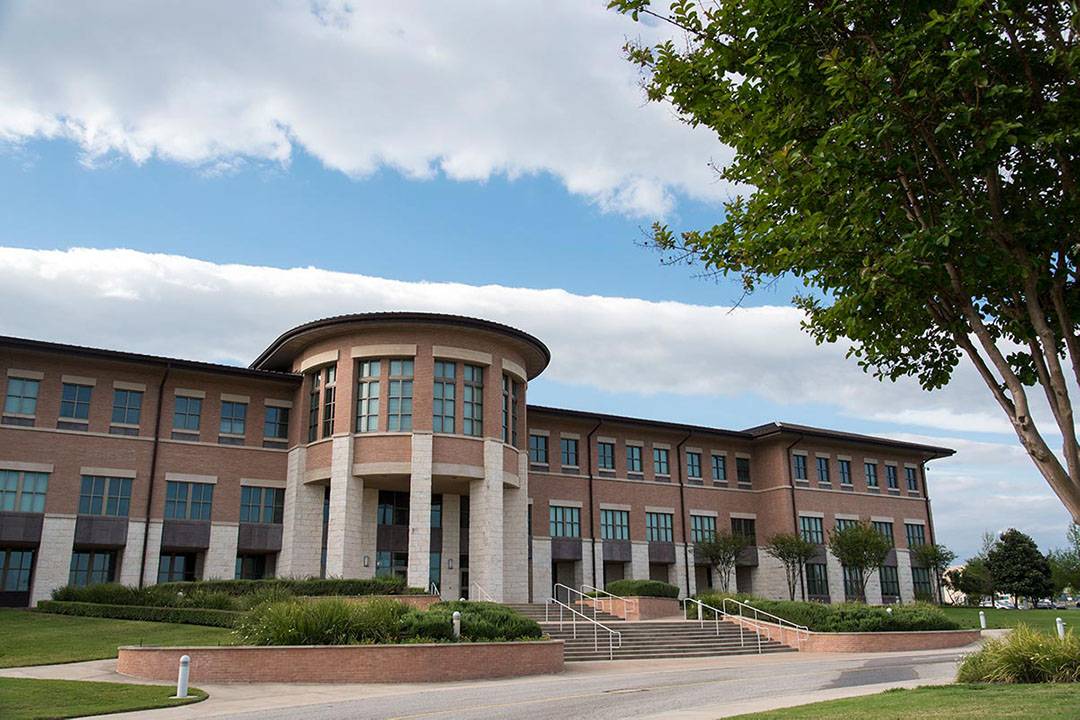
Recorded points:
(801, 631)
(613, 635)
(433, 589)
(627, 602)
(483, 592)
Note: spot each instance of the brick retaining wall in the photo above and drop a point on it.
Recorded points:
(435, 662)
(842, 642)
(637, 607)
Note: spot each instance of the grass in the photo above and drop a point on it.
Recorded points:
(946, 702)
(996, 618)
(30, 638)
(26, 699)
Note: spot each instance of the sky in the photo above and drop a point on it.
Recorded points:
(192, 180)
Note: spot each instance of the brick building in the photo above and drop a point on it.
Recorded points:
(401, 443)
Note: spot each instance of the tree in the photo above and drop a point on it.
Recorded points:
(915, 165)
(721, 551)
(973, 580)
(1065, 563)
(794, 552)
(1018, 568)
(861, 549)
(936, 557)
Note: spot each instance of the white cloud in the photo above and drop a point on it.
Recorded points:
(177, 306)
(491, 88)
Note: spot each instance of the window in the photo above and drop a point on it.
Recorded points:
(391, 564)
(633, 459)
(719, 468)
(920, 578)
(813, 529)
(845, 471)
(916, 534)
(473, 399)
(890, 477)
(538, 449)
(568, 448)
(660, 461)
(435, 568)
(105, 496)
(845, 523)
(23, 491)
(75, 401)
(564, 521)
(186, 414)
(435, 520)
(693, 465)
(817, 580)
(22, 395)
(852, 584)
(276, 423)
(127, 407)
(823, 470)
(399, 400)
(747, 527)
(742, 470)
(188, 501)
(233, 417)
(885, 530)
(313, 406)
(15, 568)
(702, 528)
(329, 400)
(614, 525)
(443, 397)
(510, 410)
(252, 567)
(176, 568)
(92, 567)
(912, 476)
(658, 526)
(798, 464)
(261, 504)
(393, 508)
(890, 581)
(367, 396)
(605, 455)
(871, 474)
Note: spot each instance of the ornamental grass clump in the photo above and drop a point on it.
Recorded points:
(326, 622)
(1024, 656)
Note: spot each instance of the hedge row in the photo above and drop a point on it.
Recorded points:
(307, 586)
(643, 588)
(844, 617)
(187, 616)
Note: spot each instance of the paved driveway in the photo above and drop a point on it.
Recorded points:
(670, 689)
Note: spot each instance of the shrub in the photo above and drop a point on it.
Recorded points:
(845, 617)
(1024, 656)
(644, 588)
(309, 586)
(480, 622)
(188, 616)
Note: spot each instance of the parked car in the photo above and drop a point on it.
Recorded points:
(1044, 605)
(1004, 605)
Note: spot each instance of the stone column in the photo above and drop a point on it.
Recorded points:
(420, 512)
(515, 559)
(903, 572)
(639, 560)
(541, 569)
(873, 588)
(153, 552)
(770, 579)
(132, 554)
(220, 562)
(450, 587)
(835, 573)
(343, 528)
(301, 530)
(369, 529)
(52, 561)
(598, 563)
(486, 526)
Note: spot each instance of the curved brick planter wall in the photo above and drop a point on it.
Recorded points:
(865, 641)
(346, 663)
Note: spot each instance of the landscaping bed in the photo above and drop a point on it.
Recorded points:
(843, 617)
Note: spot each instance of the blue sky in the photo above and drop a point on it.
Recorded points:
(496, 161)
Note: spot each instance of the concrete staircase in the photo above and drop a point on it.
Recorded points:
(536, 611)
(652, 639)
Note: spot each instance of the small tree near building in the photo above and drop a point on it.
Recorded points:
(1018, 568)
(861, 549)
(794, 552)
(973, 581)
(936, 557)
(722, 552)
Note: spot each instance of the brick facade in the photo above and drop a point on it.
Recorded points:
(339, 482)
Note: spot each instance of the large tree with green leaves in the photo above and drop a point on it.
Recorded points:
(1018, 568)
(915, 164)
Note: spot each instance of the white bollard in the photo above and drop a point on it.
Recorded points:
(888, 610)
(457, 625)
(699, 612)
(982, 619)
(1061, 628)
(182, 677)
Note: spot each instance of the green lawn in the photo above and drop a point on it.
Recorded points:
(32, 638)
(26, 699)
(947, 702)
(995, 618)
